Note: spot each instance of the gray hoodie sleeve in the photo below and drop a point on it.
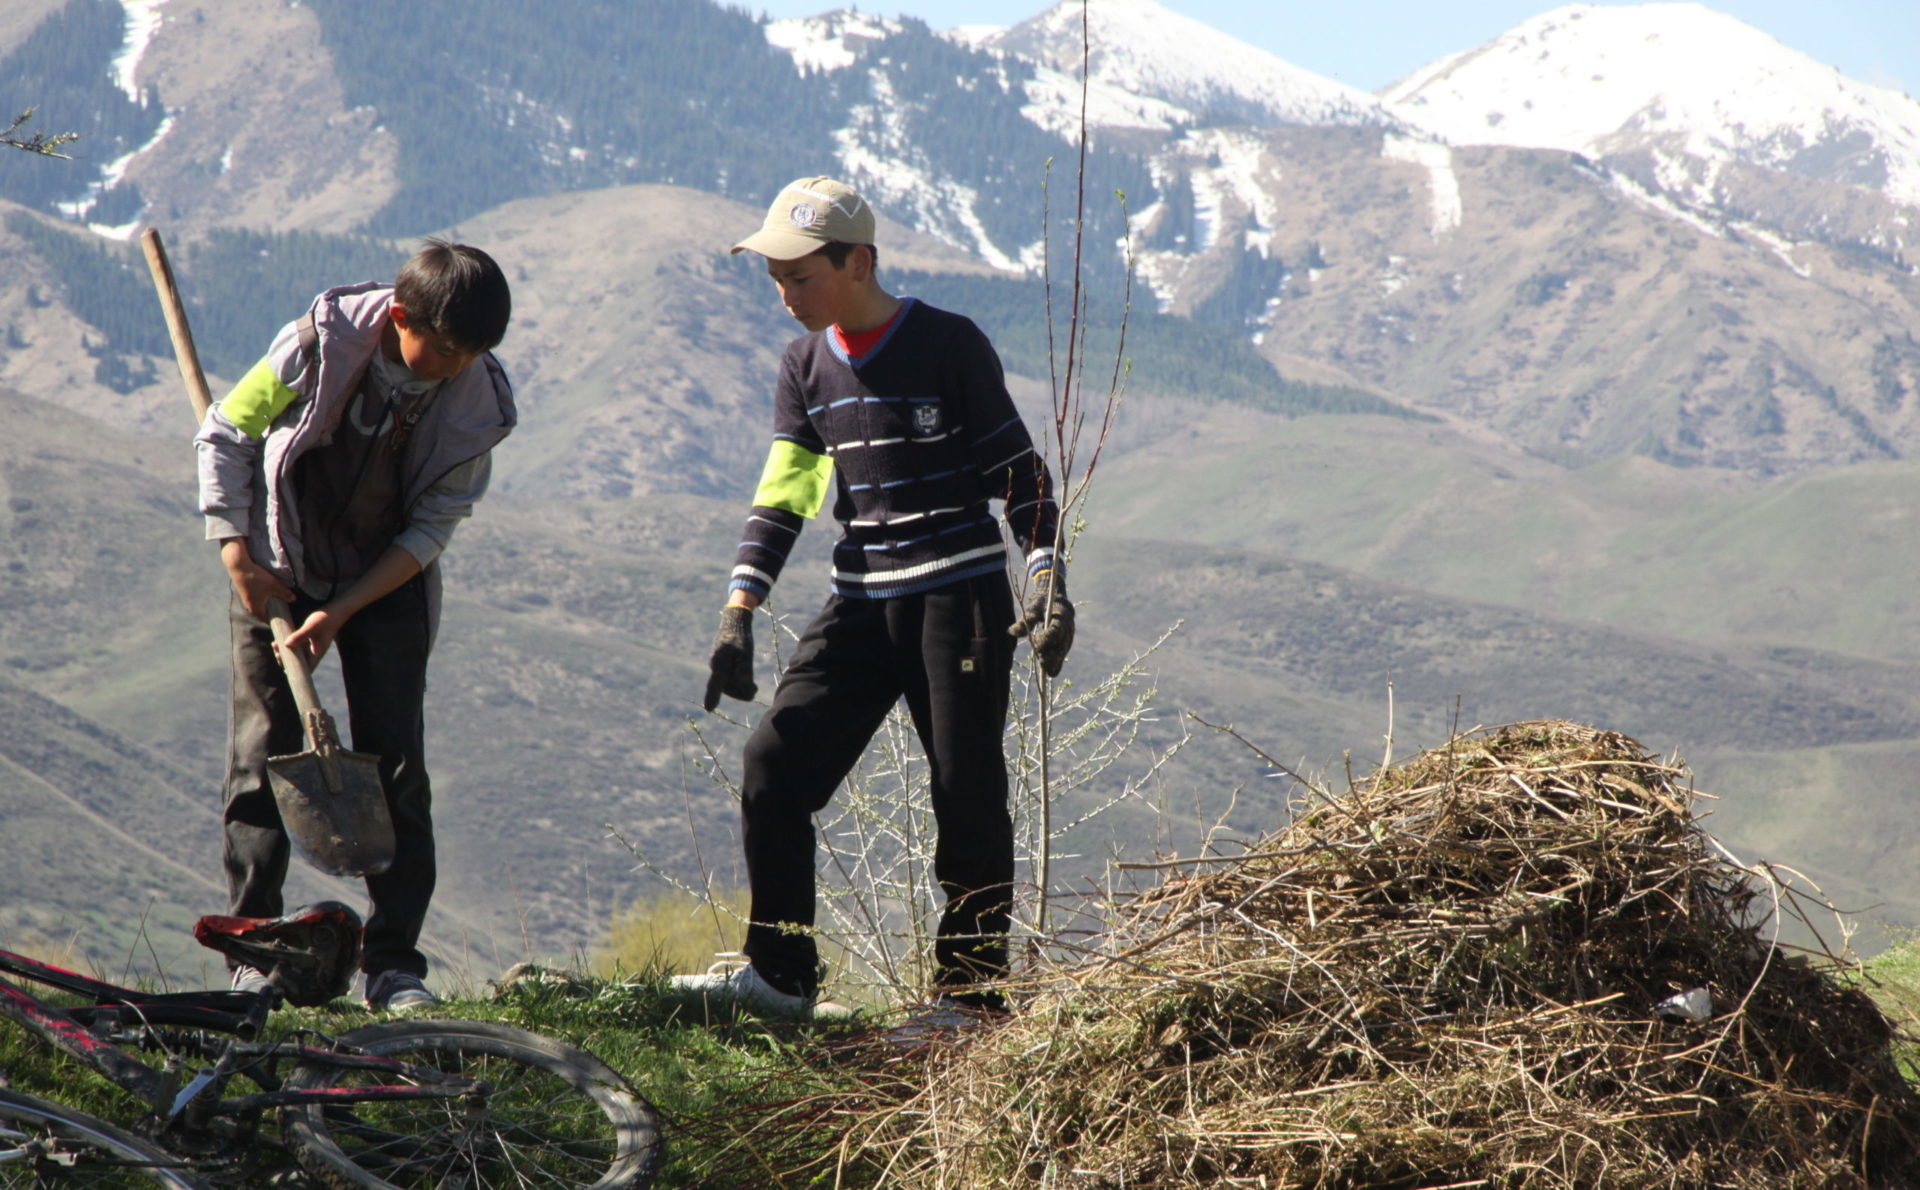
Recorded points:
(431, 522)
(227, 457)
(227, 460)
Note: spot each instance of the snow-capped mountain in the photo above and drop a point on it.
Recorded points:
(1167, 87)
(1687, 83)
(1261, 205)
(939, 131)
(1152, 68)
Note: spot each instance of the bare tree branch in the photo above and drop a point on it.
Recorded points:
(39, 142)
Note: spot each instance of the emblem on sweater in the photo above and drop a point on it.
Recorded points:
(803, 215)
(926, 419)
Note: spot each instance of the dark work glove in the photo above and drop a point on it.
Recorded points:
(732, 660)
(1049, 628)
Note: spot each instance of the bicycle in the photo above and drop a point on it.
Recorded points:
(401, 1104)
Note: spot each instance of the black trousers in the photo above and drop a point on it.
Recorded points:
(948, 654)
(383, 659)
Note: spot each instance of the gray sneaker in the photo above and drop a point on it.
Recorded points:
(398, 991)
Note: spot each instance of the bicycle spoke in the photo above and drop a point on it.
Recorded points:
(542, 1115)
(44, 1144)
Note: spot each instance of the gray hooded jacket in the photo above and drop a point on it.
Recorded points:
(291, 403)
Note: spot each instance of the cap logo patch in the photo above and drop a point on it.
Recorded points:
(926, 419)
(803, 215)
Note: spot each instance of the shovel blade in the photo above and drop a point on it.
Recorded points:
(334, 810)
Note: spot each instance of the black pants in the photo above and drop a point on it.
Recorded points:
(383, 659)
(948, 654)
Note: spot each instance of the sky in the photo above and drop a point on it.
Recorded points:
(1370, 43)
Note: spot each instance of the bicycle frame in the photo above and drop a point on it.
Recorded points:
(396, 1104)
(65, 1030)
(97, 1034)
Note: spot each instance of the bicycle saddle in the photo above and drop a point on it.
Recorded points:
(310, 953)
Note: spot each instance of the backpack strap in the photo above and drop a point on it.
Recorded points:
(309, 336)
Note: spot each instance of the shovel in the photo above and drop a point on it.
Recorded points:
(330, 799)
(331, 802)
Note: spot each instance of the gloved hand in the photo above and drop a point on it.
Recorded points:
(731, 664)
(1049, 627)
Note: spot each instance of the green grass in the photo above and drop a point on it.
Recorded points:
(667, 930)
(735, 1094)
(1892, 978)
(741, 1101)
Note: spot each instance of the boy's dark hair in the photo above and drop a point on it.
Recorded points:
(456, 290)
(837, 253)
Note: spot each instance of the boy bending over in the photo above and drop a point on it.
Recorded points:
(333, 476)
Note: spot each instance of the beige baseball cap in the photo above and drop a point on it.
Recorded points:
(807, 214)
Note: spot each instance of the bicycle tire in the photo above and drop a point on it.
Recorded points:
(556, 1117)
(79, 1151)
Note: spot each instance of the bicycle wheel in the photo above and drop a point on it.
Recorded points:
(554, 1115)
(45, 1144)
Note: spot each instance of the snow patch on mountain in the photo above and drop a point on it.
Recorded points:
(936, 205)
(1237, 189)
(1662, 203)
(830, 41)
(1054, 101)
(1681, 78)
(874, 151)
(111, 175)
(1154, 68)
(1780, 246)
(143, 21)
(877, 157)
(142, 24)
(974, 37)
(1232, 176)
(1443, 185)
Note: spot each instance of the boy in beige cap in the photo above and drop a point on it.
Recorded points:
(902, 411)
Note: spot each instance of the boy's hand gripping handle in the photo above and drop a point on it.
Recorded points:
(322, 736)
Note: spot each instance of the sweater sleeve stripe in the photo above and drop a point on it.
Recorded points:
(762, 553)
(746, 578)
(771, 523)
(1002, 428)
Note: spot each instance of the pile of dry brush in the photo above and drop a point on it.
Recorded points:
(1446, 978)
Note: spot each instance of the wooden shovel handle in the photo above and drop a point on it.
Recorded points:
(321, 735)
(298, 678)
(176, 312)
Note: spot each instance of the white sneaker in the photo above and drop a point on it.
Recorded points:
(250, 979)
(736, 981)
(398, 991)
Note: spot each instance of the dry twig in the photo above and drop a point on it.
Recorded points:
(1447, 979)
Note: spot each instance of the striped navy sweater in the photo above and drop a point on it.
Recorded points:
(916, 437)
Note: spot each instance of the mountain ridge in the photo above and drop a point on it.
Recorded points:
(1540, 538)
(1602, 81)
